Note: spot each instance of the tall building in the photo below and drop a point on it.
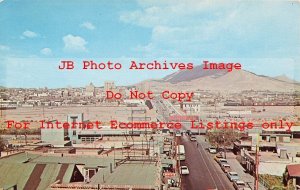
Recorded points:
(90, 90)
(109, 85)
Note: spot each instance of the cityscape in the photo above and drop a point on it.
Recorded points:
(139, 155)
(149, 95)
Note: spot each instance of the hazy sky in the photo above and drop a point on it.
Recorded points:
(264, 36)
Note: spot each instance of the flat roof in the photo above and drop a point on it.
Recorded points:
(87, 160)
(129, 173)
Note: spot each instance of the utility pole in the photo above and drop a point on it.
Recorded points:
(132, 132)
(1, 109)
(146, 135)
(256, 163)
(176, 146)
(25, 138)
(224, 144)
(114, 156)
(256, 168)
(43, 108)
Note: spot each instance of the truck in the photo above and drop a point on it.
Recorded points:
(180, 152)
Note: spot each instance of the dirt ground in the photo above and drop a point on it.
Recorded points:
(91, 113)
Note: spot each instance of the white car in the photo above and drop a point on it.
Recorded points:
(212, 150)
(240, 185)
(178, 134)
(184, 170)
(222, 161)
(193, 138)
(226, 168)
(233, 176)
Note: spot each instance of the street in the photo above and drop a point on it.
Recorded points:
(205, 173)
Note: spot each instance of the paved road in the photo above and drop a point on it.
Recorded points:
(205, 173)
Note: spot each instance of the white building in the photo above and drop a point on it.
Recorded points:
(90, 90)
(191, 107)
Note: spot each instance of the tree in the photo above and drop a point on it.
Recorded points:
(2, 145)
(223, 138)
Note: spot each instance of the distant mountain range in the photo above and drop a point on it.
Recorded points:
(221, 80)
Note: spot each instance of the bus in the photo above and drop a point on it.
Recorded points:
(180, 152)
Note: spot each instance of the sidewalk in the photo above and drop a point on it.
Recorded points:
(236, 166)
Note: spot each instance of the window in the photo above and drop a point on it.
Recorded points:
(74, 133)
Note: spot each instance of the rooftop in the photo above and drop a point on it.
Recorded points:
(128, 173)
(35, 171)
(29, 175)
(294, 170)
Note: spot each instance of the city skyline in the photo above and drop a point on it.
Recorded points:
(149, 94)
(262, 37)
(34, 73)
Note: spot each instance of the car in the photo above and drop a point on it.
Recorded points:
(216, 159)
(193, 138)
(166, 131)
(240, 185)
(184, 170)
(233, 176)
(222, 161)
(178, 134)
(226, 168)
(218, 156)
(188, 132)
(212, 150)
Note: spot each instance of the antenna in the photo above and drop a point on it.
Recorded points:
(43, 111)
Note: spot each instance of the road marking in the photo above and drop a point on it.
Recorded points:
(207, 168)
(214, 168)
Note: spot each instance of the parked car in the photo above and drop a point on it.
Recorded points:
(226, 168)
(222, 161)
(184, 170)
(240, 185)
(218, 156)
(233, 176)
(212, 150)
(193, 138)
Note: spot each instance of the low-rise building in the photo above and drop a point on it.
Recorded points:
(191, 107)
(293, 174)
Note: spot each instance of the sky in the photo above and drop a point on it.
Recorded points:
(264, 36)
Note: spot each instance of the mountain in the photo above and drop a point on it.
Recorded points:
(188, 75)
(285, 79)
(220, 80)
